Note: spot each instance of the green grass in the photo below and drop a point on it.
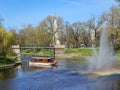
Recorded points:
(80, 51)
(84, 52)
(41, 52)
(6, 61)
(118, 53)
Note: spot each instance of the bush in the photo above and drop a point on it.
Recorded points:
(117, 47)
(4, 60)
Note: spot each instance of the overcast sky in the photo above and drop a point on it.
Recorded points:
(17, 13)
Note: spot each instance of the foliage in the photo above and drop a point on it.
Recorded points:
(4, 60)
(75, 35)
(6, 40)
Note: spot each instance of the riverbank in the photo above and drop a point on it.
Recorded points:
(81, 53)
(9, 66)
(68, 53)
(7, 62)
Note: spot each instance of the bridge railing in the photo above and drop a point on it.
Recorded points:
(56, 49)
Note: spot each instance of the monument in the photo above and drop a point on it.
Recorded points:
(58, 47)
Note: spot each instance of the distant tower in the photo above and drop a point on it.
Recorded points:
(58, 47)
(56, 40)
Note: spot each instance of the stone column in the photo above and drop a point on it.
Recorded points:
(16, 50)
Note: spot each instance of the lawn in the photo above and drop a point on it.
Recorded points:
(84, 52)
(40, 52)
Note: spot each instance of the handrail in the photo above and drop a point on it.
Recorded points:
(34, 47)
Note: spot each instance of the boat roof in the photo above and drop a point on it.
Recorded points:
(41, 58)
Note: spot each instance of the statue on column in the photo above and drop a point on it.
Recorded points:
(56, 40)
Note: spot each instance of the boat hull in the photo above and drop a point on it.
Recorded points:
(41, 64)
(42, 61)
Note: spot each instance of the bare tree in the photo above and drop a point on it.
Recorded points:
(48, 25)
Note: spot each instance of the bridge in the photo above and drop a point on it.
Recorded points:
(56, 49)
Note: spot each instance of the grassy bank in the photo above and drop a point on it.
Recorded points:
(38, 52)
(118, 53)
(79, 52)
(84, 52)
(69, 52)
(6, 61)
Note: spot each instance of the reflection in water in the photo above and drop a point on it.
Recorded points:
(105, 85)
(72, 63)
(41, 67)
(61, 77)
(98, 84)
(7, 73)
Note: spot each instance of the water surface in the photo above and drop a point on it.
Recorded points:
(66, 76)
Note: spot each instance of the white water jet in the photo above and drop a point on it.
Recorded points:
(103, 59)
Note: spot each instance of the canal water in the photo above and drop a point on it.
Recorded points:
(68, 75)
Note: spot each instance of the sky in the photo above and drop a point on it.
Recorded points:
(17, 13)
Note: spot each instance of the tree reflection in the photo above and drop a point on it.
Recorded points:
(7, 74)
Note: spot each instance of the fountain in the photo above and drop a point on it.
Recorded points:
(102, 62)
(101, 75)
(104, 58)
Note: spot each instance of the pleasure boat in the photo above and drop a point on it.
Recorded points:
(44, 61)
